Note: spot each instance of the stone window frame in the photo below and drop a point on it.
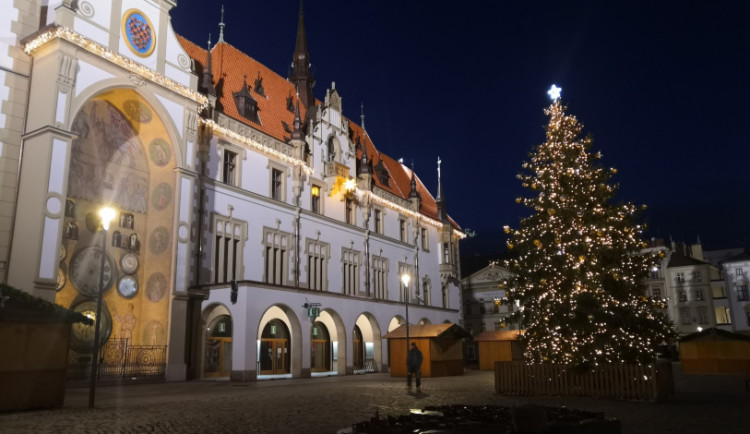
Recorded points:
(317, 251)
(276, 239)
(237, 235)
(284, 171)
(240, 155)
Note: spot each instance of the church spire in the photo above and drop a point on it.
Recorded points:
(207, 81)
(362, 116)
(442, 214)
(221, 26)
(301, 76)
(413, 192)
(297, 133)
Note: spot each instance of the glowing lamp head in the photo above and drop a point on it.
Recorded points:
(405, 278)
(107, 214)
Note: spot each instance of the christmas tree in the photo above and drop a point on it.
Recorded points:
(579, 270)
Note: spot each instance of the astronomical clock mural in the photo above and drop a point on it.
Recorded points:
(122, 158)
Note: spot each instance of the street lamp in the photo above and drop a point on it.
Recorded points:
(405, 278)
(106, 214)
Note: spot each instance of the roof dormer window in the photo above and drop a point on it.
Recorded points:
(258, 88)
(247, 106)
(382, 173)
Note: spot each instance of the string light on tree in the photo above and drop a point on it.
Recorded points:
(579, 273)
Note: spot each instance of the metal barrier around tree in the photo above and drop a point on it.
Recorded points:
(119, 360)
(640, 382)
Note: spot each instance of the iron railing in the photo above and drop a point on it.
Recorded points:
(120, 360)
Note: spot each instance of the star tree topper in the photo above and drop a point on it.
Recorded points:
(554, 92)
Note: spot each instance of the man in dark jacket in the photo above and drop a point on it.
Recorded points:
(414, 366)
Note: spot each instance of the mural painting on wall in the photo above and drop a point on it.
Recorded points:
(158, 242)
(154, 333)
(120, 157)
(160, 152)
(162, 196)
(156, 287)
(107, 160)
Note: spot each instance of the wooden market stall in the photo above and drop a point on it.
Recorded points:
(498, 346)
(440, 344)
(715, 351)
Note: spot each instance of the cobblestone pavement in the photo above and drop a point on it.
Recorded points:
(702, 404)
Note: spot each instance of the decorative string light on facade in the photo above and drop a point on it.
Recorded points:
(349, 185)
(123, 62)
(227, 133)
(374, 197)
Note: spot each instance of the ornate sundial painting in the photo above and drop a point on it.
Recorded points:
(138, 32)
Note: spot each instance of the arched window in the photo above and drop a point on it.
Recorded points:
(331, 150)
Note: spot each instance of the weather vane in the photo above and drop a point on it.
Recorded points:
(554, 92)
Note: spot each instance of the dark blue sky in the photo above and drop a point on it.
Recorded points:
(662, 85)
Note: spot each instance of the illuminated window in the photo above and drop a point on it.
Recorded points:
(315, 199)
(722, 315)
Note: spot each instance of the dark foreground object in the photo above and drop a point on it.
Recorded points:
(454, 419)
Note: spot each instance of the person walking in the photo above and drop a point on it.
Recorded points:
(414, 366)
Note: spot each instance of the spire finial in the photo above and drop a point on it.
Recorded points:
(208, 78)
(440, 199)
(297, 133)
(221, 26)
(362, 115)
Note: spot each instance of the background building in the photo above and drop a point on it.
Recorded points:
(259, 231)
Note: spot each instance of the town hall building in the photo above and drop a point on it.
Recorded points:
(257, 233)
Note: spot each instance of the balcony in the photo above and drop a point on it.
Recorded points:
(333, 168)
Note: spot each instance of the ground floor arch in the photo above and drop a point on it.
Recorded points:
(279, 344)
(366, 345)
(216, 342)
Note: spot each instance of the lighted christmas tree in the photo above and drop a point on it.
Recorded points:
(579, 270)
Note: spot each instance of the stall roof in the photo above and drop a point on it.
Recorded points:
(492, 335)
(714, 334)
(429, 331)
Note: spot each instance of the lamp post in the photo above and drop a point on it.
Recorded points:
(405, 278)
(106, 214)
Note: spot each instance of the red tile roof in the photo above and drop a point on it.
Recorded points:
(230, 67)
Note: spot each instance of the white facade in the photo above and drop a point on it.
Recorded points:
(211, 193)
(485, 307)
(737, 279)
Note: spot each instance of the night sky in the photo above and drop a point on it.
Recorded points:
(663, 86)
